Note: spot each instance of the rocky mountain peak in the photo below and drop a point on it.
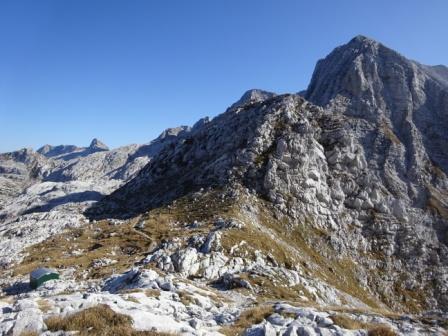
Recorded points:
(363, 149)
(173, 132)
(50, 151)
(45, 149)
(361, 40)
(350, 70)
(442, 70)
(381, 88)
(253, 96)
(97, 145)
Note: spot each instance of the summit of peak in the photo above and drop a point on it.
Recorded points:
(361, 44)
(362, 39)
(98, 145)
(253, 95)
(256, 94)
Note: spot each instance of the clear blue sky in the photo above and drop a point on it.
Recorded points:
(123, 71)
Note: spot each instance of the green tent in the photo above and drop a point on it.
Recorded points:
(41, 275)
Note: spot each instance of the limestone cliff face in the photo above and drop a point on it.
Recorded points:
(387, 95)
(18, 170)
(396, 110)
(361, 159)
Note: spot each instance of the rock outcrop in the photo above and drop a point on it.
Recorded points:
(366, 167)
(97, 145)
(44, 192)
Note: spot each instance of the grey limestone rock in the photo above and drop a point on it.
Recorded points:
(361, 157)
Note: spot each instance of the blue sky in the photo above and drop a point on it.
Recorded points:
(125, 70)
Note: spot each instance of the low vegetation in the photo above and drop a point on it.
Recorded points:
(389, 134)
(100, 320)
(155, 293)
(381, 330)
(79, 248)
(361, 311)
(121, 242)
(44, 305)
(346, 322)
(186, 298)
(29, 333)
(246, 319)
(132, 299)
(290, 245)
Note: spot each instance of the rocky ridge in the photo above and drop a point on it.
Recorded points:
(47, 191)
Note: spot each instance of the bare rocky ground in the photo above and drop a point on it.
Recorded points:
(322, 213)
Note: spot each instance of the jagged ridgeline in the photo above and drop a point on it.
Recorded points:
(359, 159)
(310, 213)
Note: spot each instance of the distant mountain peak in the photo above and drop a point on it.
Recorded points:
(96, 144)
(172, 132)
(362, 39)
(253, 95)
(45, 149)
(353, 68)
(53, 151)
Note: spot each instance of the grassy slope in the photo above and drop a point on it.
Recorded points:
(292, 245)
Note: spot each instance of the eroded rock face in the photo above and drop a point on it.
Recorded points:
(19, 170)
(396, 105)
(396, 112)
(366, 166)
(45, 192)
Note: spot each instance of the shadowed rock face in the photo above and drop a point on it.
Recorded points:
(52, 151)
(233, 147)
(362, 158)
(252, 96)
(70, 152)
(97, 145)
(18, 170)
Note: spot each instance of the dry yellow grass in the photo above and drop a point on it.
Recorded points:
(186, 298)
(132, 299)
(389, 134)
(152, 292)
(246, 319)
(103, 240)
(44, 305)
(121, 242)
(310, 246)
(29, 333)
(130, 290)
(97, 321)
(381, 330)
(347, 322)
(267, 290)
(296, 245)
(352, 310)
